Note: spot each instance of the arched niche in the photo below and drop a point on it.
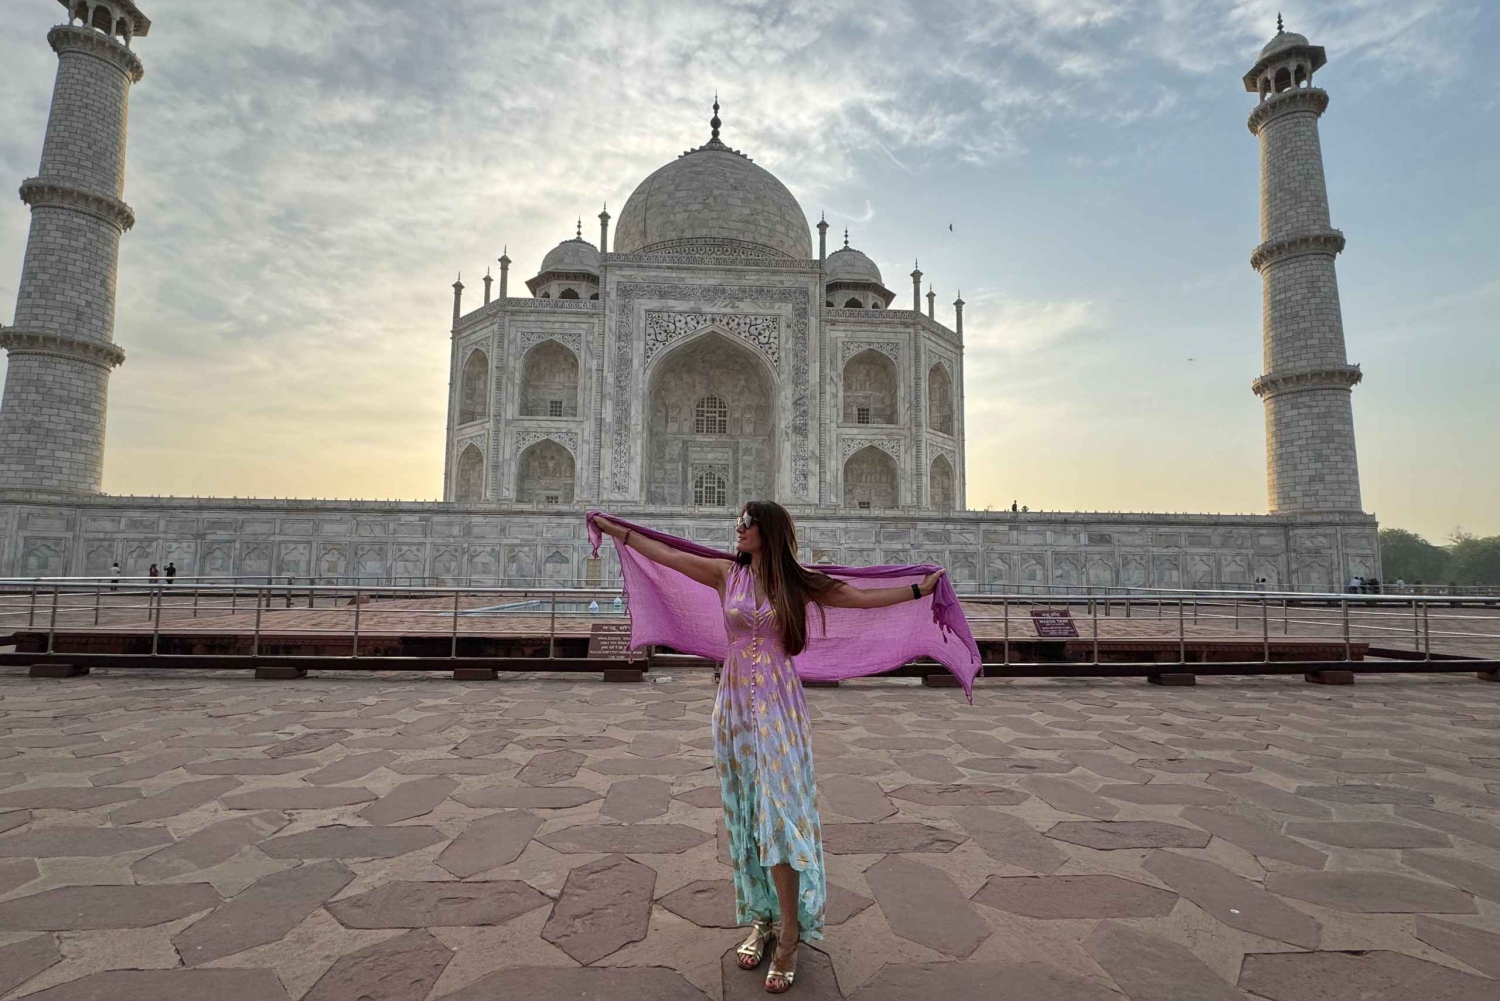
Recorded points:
(545, 474)
(711, 407)
(549, 382)
(853, 303)
(870, 389)
(939, 399)
(871, 480)
(474, 388)
(468, 475)
(940, 484)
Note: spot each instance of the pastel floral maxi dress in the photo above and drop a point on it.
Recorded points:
(763, 754)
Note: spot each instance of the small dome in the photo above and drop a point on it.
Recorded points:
(1283, 40)
(574, 255)
(850, 265)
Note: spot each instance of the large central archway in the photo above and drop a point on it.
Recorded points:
(710, 425)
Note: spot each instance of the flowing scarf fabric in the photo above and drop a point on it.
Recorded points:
(671, 609)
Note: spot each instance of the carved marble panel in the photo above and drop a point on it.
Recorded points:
(760, 331)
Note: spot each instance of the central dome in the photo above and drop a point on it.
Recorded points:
(713, 195)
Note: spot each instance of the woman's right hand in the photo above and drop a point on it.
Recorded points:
(608, 527)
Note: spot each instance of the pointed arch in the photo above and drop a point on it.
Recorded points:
(468, 477)
(939, 399)
(872, 480)
(545, 474)
(940, 484)
(474, 388)
(870, 388)
(549, 381)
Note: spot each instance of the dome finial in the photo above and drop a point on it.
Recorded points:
(1280, 30)
(714, 122)
(846, 236)
(578, 233)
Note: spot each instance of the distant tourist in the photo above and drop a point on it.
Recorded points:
(1400, 584)
(1013, 507)
(1355, 583)
(114, 572)
(171, 572)
(763, 749)
(153, 573)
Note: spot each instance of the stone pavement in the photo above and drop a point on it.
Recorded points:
(183, 836)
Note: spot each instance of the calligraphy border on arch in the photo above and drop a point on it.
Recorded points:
(526, 438)
(891, 349)
(758, 330)
(624, 296)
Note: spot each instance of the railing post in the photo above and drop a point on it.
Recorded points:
(1347, 651)
(156, 624)
(195, 600)
(234, 599)
(98, 597)
(1286, 619)
(1094, 608)
(1427, 629)
(453, 650)
(52, 620)
(31, 612)
(1181, 632)
(1416, 626)
(354, 648)
(1265, 629)
(552, 630)
(1005, 611)
(255, 640)
(1236, 614)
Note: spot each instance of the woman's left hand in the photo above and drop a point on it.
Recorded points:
(930, 582)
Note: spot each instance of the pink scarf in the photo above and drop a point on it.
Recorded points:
(672, 610)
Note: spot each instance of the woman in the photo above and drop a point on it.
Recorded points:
(762, 737)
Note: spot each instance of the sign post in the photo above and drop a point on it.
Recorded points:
(1054, 623)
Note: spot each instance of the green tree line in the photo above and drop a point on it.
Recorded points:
(1466, 559)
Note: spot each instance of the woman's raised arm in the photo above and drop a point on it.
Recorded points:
(848, 596)
(702, 569)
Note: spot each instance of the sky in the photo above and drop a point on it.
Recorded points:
(308, 179)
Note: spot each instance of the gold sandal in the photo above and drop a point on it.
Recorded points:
(786, 976)
(753, 949)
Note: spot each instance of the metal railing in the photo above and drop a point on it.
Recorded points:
(352, 625)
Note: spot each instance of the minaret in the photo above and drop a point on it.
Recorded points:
(62, 345)
(931, 303)
(823, 238)
(958, 315)
(504, 272)
(1310, 456)
(916, 287)
(487, 280)
(604, 230)
(458, 296)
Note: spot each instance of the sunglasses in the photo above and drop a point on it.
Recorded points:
(745, 522)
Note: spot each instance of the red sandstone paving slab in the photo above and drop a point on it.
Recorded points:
(603, 906)
(843, 904)
(527, 797)
(1235, 901)
(454, 766)
(989, 981)
(553, 983)
(707, 903)
(49, 740)
(308, 743)
(631, 801)
(983, 744)
(438, 904)
(852, 766)
(570, 742)
(221, 740)
(1167, 794)
(396, 742)
(20, 961)
(65, 798)
(57, 765)
(643, 839)
(1477, 831)
(704, 797)
(1296, 744)
(352, 842)
(923, 904)
(83, 908)
(297, 798)
(16, 818)
(1009, 839)
(1371, 892)
(653, 745)
(1369, 976)
(1254, 838)
(856, 797)
(1471, 876)
(1059, 743)
(1371, 766)
(1216, 744)
(404, 968)
(1054, 897)
(272, 723)
(1018, 766)
(815, 977)
(208, 846)
(1269, 796)
(482, 744)
(409, 799)
(1451, 790)
(958, 795)
(1474, 946)
(360, 722)
(901, 743)
(16, 873)
(860, 839)
(1368, 834)
(1352, 794)
(433, 723)
(1284, 766)
(262, 912)
(91, 842)
(931, 767)
(349, 768)
(1152, 968)
(1110, 835)
(1108, 766)
(657, 766)
(487, 842)
(248, 766)
(169, 985)
(147, 768)
(1069, 797)
(1448, 762)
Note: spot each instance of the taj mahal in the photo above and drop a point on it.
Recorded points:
(707, 352)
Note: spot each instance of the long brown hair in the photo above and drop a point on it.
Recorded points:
(790, 587)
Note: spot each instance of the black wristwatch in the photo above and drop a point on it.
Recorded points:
(916, 593)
